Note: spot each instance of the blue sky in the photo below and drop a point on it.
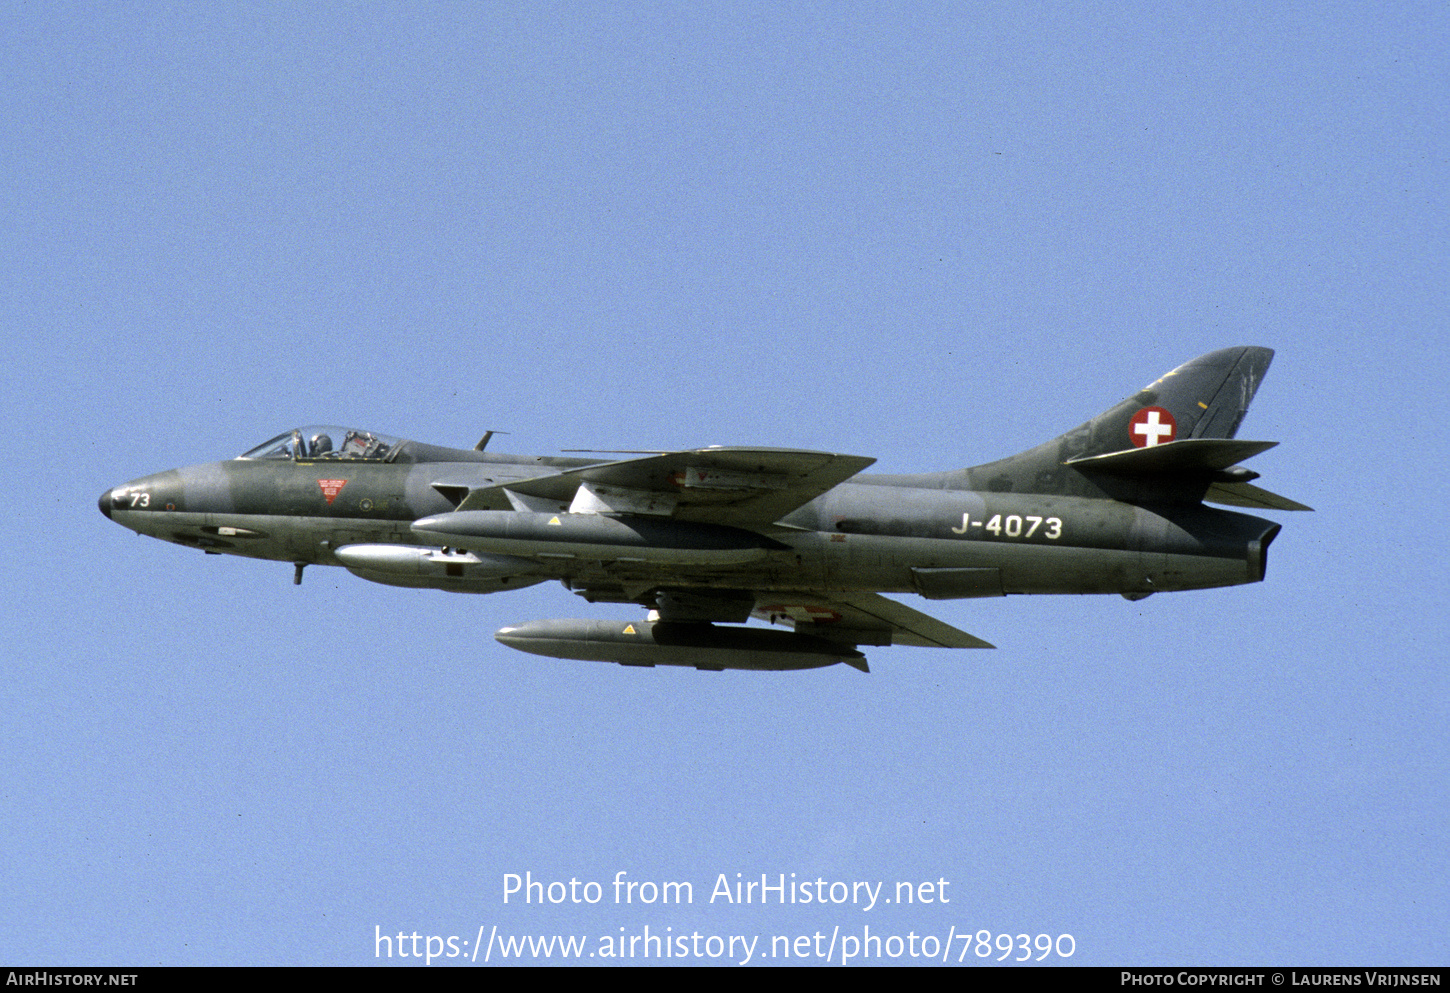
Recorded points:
(935, 234)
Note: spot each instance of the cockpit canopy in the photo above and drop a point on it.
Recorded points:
(327, 442)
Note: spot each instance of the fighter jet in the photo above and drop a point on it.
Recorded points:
(709, 538)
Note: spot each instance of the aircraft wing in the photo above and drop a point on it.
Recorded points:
(741, 487)
(862, 619)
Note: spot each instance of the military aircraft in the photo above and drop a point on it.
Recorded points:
(708, 538)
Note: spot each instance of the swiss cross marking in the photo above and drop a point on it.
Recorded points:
(331, 488)
(1152, 426)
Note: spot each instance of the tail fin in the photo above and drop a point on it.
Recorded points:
(1205, 398)
(1201, 400)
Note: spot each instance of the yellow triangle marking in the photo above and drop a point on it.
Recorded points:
(629, 629)
(555, 520)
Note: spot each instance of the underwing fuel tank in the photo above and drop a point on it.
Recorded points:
(697, 645)
(420, 566)
(596, 537)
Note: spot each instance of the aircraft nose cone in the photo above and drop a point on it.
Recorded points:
(105, 504)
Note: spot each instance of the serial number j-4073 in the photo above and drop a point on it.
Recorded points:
(1013, 526)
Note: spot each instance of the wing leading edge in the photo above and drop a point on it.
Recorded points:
(740, 487)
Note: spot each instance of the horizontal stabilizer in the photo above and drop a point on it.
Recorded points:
(1190, 455)
(1210, 459)
(1248, 495)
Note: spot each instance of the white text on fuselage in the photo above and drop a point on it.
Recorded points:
(1013, 526)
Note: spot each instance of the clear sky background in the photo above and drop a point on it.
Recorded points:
(936, 234)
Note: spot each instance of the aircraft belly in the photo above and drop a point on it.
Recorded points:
(179, 526)
(635, 578)
(1199, 572)
(249, 535)
(284, 537)
(958, 568)
(896, 565)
